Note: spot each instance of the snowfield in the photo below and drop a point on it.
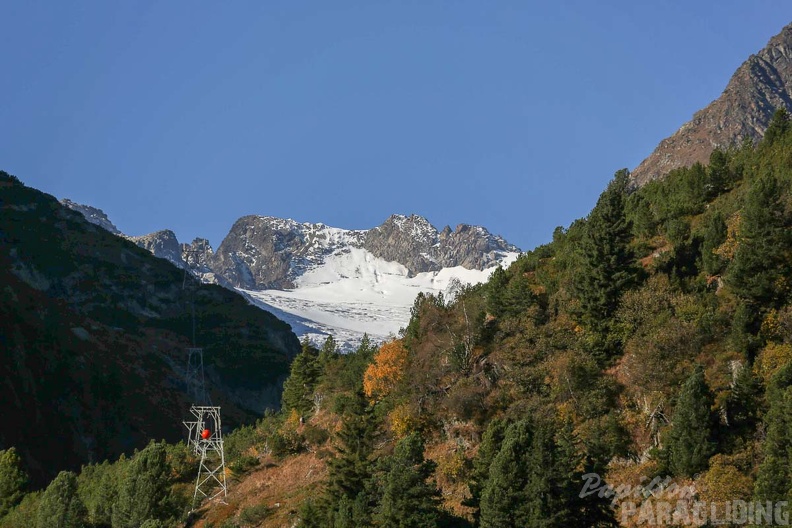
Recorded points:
(352, 293)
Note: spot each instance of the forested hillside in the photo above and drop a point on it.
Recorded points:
(651, 339)
(93, 331)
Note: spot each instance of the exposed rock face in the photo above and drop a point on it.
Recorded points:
(197, 254)
(414, 242)
(162, 244)
(93, 215)
(411, 241)
(262, 252)
(760, 86)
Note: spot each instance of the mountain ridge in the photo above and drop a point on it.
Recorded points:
(264, 252)
(93, 331)
(347, 282)
(761, 85)
(289, 247)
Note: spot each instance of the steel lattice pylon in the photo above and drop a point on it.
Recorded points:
(194, 376)
(211, 481)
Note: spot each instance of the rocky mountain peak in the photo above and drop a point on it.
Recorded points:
(761, 85)
(92, 214)
(266, 252)
(162, 244)
(408, 240)
(263, 252)
(197, 254)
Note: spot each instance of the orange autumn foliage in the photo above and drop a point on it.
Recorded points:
(387, 369)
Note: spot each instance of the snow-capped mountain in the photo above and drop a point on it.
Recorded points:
(323, 279)
(262, 252)
(353, 292)
(326, 280)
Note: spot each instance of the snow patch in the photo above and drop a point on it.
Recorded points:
(354, 292)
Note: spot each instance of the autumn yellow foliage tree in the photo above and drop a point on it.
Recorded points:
(386, 370)
(771, 359)
(402, 421)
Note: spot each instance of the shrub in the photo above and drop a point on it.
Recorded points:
(253, 515)
(244, 464)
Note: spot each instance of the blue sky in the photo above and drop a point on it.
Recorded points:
(511, 115)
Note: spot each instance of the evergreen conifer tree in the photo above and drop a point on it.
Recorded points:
(311, 516)
(408, 499)
(299, 387)
(349, 473)
(144, 491)
(608, 266)
(60, 505)
(13, 480)
(490, 446)
(328, 353)
(774, 478)
(535, 480)
(496, 291)
(508, 475)
(761, 262)
(518, 297)
(97, 485)
(719, 177)
(742, 404)
(690, 440)
(778, 127)
(714, 235)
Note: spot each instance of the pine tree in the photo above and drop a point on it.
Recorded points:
(412, 332)
(98, 485)
(508, 476)
(545, 499)
(13, 480)
(608, 266)
(742, 404)
(518, 296)
(300, 385)
(349, 472)
(775, 472)
(60, 506)
(488, 449)
(328, 353)
(778, 127)
(714, 235)
(144, 491)
(690, 440)
(408, 499)
(311, 515)
(719, 176)
(496, 291)
(761, 262)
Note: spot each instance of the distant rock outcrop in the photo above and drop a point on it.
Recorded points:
(414, 242)
(760, 86)
(263, 252)
(162, 244)
(93, 215)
